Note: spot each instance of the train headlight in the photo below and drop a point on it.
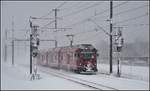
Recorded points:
(92, 56)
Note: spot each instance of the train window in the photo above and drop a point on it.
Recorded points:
(47, 56)
(72, 56)
(76, 55)
(61, 57)
(87, 55)
(42, 58)
(55, 57)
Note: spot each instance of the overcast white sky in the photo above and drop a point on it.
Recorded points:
(71, 15)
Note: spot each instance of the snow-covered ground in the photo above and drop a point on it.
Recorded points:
(110, 80)
(127, 71)
(17, 77)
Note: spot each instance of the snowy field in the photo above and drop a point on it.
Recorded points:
(127, 71)
(17, 77)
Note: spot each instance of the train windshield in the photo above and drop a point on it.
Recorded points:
(87, 55)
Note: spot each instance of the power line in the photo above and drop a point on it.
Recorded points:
(71, 6)
(130, 19)
(46, 14)
(94, 36)
(83, 32)
(96, 14)
(48, 24)
(100, 27)
(52, 11)
(133, 18)
(107, 25)
(80, 10)
(61, 5)
(93, 29)
(135, 25)
(83, 9)
(80, 5)
(94, 5)
(85, 20)
(129, 10)
(102, 12)
(89, 38)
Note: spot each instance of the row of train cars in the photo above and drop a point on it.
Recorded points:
(78, 58)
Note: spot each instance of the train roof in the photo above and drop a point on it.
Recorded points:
(82, 46)
(73, 48)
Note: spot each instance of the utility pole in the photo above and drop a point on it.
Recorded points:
(56, 29)
(5, 54)
(71, 39)
(55, 10)
(110, 52)
(12, 40)
(30, 47)
(30, 54)
(30, 40)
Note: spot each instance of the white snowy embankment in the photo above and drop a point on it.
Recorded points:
(128, 71)
(17, 78)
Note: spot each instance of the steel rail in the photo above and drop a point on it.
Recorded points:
(78, 80)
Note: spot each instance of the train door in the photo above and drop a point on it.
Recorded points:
(59, 58)
(74, 60)
(46, 58)
(49, 58)
(71, 61)
(42, 61)
(68, 58)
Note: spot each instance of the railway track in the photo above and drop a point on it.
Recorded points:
(89, 84)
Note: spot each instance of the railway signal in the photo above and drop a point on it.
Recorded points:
(34, 43)
(119, 41)
(70, 36)
(5, 50)
(12, 40)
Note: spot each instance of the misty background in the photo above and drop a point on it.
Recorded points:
(133, 16)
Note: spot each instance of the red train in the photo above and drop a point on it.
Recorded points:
(79, 58)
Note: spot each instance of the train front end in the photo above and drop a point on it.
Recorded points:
(87, 58)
